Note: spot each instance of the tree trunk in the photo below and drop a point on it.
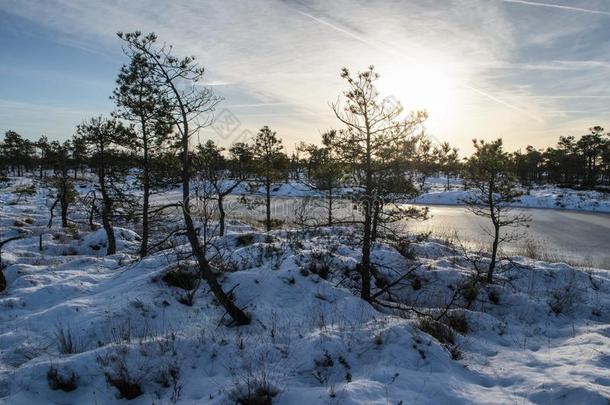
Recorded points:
(496, 223)
(376, 213)
(106, 221)
(234, 312)
(64, 199)
(494, 253)
(91, 226)
(51, 212)
(145, 204)
(330, 208)
(365, 270)
(268, 204)
(221, 213)
(64, 213)
(106, 208)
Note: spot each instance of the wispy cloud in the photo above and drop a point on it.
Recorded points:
(256, 105)
(557, 6)
(511, 68)
(404, 54)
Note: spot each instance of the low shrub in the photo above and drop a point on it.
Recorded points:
(437, 330)
(254, 392)
(65, 382)
(458, 322)
(25, 190)
(561, 300)
(469, 290)
(245, 239)
(320, 263)
(117, 373)
(416, 283)
(403, 247)
(127, 389)
(67, 343)
(181, 277)
(494, 296)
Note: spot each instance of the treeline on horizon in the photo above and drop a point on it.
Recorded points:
(577, 162)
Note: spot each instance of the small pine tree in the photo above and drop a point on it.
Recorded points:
(324, 169)
(59, 159)
(141, 102)
(215, 173)
(191, 110)
(102, 135)
(374, 132)
(488, 173)
(270, 164)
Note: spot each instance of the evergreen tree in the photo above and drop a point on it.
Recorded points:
(488, 173)
(59, 159)
(141, 102)
(241, 161)
(79, 155)
(44, 147)
(216, 173)
(591, 147)
(374, 132)
(190, 108)
(324, 169)
(447, 161)
(20, 152)
(270, 165)
(102, 136)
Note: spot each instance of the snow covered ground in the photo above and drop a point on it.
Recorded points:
(75, 324)
(537, 197)
(435, 194)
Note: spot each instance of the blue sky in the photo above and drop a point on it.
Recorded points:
(528, 71)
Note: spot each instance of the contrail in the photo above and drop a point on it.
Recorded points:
(349, 34)
(398, 53)
(559, 6)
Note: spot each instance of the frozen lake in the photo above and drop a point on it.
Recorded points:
(557, 235)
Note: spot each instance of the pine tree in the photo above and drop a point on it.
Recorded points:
(102, 136)
(374, 132)
(488, 173)
(191, 108)
(591, 147)
(20, 152)
(215, 171)
(447, 160)
(141, 102)
(270, 165)
(44, 147)
(324, 169)
(60, 161)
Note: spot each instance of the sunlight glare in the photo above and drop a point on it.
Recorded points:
(429, 85)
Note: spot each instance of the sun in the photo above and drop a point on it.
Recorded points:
(428, 84)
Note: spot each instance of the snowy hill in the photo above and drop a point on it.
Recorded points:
(78, 327)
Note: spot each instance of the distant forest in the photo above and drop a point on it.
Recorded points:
(577, 162)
